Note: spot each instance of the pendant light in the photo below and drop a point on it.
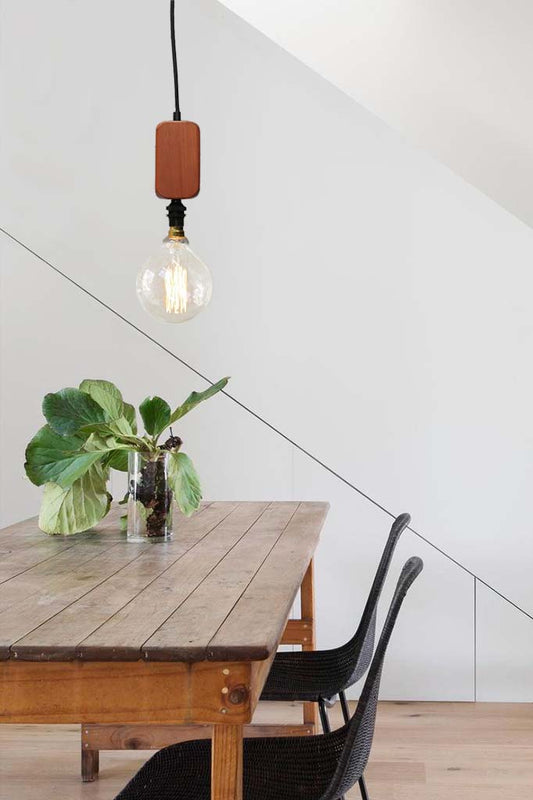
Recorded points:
(174, 285)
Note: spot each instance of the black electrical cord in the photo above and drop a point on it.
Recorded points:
(177, 112)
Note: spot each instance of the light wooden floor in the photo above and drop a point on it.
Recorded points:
(422, 751)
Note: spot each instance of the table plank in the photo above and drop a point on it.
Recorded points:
(27, 534)
(16, 561)
(60, 636)
(220, 591)
(47, 575)
(186, 634)
(48, 553)
(123, 635)
(18, 621)
(255, 626)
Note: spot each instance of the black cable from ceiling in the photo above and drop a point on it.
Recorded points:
(177, 112)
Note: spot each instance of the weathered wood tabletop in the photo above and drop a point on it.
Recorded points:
(95, 629)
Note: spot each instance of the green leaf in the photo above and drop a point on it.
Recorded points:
(184, 482)
(106, 429)
(124, 523)
(122, 426)
(106, 395)
(96, 443)
(77, 508)
(156, 415)
(59, 459)
(195, 398)
(119, 460)
(129, 413)
(114, 453)
(68, 410)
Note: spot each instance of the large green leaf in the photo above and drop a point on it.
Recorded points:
(184, 482)
(68, 410)
(122, 426)
(60, 459)
(129, 413)
(106, 395)
(77, 508)
(155, 413)
(100, 443)
(114, 453)
(118, 460)
(195, 398)
(115, 430)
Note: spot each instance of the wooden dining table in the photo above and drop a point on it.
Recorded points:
(144, 644)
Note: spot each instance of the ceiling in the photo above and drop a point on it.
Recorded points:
(454, 77)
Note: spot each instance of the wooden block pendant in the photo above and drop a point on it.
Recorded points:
(177, 160)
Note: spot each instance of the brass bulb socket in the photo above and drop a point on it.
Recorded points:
(176, 233)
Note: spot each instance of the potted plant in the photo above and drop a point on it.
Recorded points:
(91, 430)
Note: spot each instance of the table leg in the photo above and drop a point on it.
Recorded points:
(90, 762)
(307, 605)
(226, 762)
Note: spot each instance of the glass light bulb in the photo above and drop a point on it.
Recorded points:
(174, 285)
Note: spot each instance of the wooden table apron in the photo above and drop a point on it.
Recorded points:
(120, 637)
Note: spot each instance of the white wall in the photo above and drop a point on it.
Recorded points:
(368, 303)
(454, 77)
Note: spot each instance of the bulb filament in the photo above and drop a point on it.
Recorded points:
(176, 290)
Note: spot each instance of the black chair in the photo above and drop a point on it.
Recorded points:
(320, 675)
(321, 767)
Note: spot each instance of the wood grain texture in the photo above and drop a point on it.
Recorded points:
(307, 606)
(226, 762)
(90, 765)
(221, 589)
(111, 604)
(177, 159)
(422, 751)
(101, 631)
(57, 592)
(154, 737)
(124, 634)
(76, 692)
(199, 618)
(128, 692)
(256, 624)
(298, 631)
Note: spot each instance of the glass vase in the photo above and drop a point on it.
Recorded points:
(149, 497)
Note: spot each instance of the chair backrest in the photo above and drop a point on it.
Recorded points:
(361, 646)
(356, 736)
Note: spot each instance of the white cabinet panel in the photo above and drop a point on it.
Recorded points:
(504, 651)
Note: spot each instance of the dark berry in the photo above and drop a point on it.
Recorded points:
(172, 443)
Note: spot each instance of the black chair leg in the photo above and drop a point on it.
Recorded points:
(324, 719)
(344, 706)
(346, 715)
(326, 727)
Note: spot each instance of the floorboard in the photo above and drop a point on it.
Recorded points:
(422, 751)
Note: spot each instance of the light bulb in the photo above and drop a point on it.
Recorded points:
(174, 285)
